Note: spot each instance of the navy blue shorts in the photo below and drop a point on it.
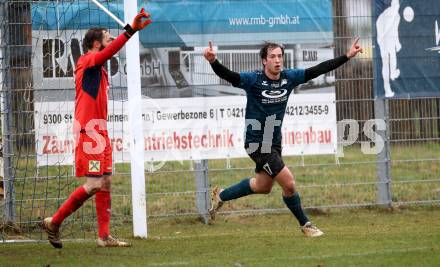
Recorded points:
(272, 163)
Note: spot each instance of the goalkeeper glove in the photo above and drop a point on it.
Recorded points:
(138, 24)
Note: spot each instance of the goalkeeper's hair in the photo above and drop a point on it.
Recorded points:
(92, 35)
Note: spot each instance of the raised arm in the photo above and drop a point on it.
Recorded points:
(329, 65)
(113, 48)
(324, 67)
(118, 43)
(219, 69)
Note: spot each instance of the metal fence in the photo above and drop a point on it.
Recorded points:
(407, 171)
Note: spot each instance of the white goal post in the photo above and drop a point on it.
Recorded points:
(135, 122)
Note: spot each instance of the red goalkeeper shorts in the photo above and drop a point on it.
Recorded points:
(93, 155)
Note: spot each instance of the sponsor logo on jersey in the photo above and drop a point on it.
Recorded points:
(274, 93)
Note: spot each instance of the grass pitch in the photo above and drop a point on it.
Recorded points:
(355, 237)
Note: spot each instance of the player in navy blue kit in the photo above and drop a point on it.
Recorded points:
(267, 92)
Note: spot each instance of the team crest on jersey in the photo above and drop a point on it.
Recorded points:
(264, 83)
(278, 85)
(94, 166)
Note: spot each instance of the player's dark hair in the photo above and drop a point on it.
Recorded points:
(267, 46)
(92, 35)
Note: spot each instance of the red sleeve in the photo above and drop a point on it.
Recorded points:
(111, 49)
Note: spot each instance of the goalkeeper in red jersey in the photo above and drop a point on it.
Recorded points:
(93, 152)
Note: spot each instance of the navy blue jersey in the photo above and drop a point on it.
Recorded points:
(267, 98)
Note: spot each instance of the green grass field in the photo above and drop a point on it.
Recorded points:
(171, 191)
(321, 180)
(355, 237)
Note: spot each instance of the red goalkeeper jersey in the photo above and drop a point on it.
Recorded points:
(91, 83)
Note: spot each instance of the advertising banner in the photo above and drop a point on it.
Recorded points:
(190, 128)
(175, 74)
(407, 48)
(171, 58)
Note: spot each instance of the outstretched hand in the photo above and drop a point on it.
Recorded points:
(209, 53)
(139, 23)
(354, 49)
